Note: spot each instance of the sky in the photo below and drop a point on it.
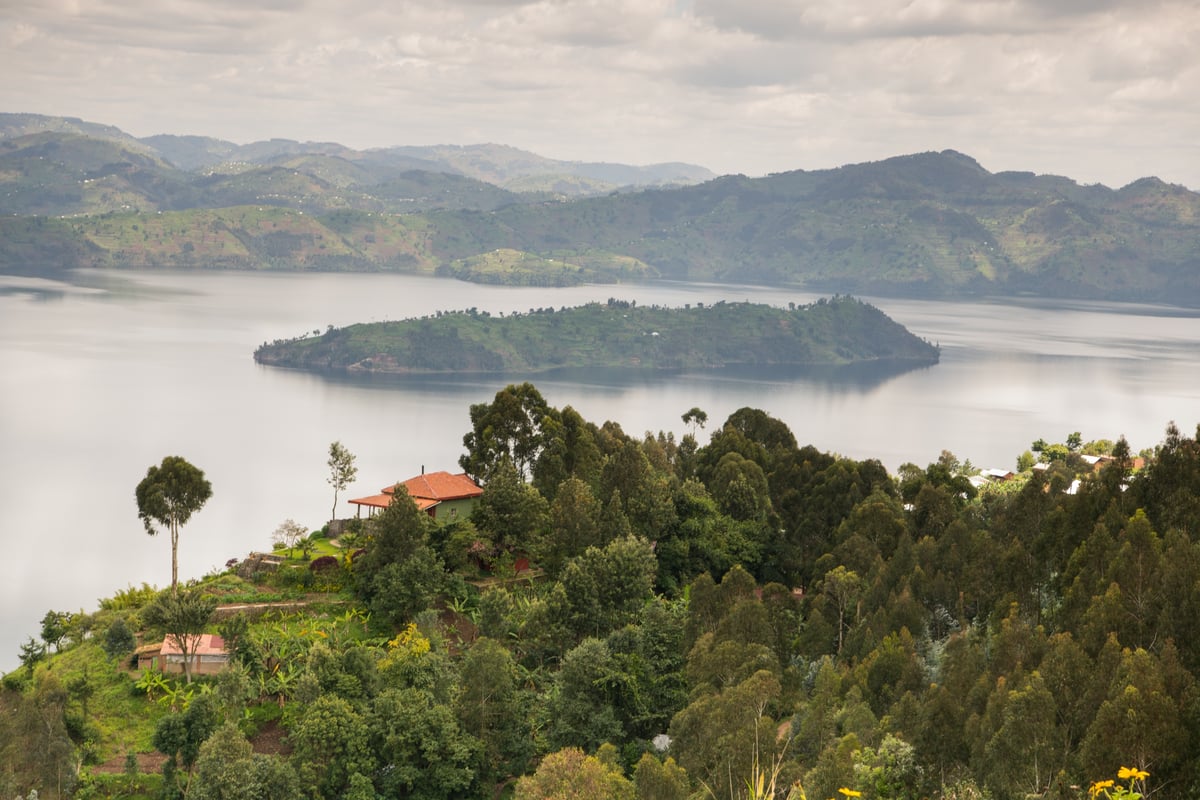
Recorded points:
(1102, 91)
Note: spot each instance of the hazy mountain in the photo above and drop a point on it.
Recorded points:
(928, 224)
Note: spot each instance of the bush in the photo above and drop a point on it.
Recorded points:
(325, 564)
(129, 599)
(288, 578)
(328, 575)
(118, 639)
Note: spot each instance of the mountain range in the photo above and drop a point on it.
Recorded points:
(937, 224)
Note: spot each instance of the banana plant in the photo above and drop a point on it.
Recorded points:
(150, 682)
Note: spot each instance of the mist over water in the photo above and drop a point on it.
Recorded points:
(102, 377)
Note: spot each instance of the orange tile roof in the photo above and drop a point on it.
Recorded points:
(440, 486)
(385, 500)
(374, 501)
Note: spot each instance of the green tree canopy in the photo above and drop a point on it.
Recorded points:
(182, 616)
(342, 471)
(168, 496)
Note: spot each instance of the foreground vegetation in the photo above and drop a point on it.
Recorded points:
(616, 334)
(720, 618)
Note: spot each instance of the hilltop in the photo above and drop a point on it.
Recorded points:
(933, 224)
(616, 334)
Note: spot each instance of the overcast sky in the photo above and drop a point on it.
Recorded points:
(1098, 90)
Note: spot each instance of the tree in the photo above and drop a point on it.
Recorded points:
(288, 534)
(510, 510)
(183, 617)
(582, 707)
(180, 736)
(842, 586)
(660, 780)
(228, 769)
(118, 640)
(510, 427)
(31, 654)
(422, 750)
(55, 628)
(168, 496)
(342, 471)
(571, 775)
(488, 707)
(399, 573)
(696, 418)
(330, 744)
(607, 587)
(574, 526)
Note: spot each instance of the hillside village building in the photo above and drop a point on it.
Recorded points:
(441, 495)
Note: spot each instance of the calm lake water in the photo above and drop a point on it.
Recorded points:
(102, 378)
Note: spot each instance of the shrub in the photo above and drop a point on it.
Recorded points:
(118, 639)
(324, 564)
(129, 599)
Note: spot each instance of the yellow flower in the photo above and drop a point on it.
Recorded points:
(1132, 773)
(1098, 787)
(849, 792)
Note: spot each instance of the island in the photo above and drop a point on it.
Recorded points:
(838, 331)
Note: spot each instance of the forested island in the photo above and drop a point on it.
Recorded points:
(731, 614)
(618, 333)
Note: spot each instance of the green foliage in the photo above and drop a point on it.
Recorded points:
(130, 599)
(183, 616)
(509, 430)
(569, 774)
(330, 746)
(421, 749)
(607, 588)
(180, 737)
(168, 496)
(510, 512)
(119, 640)
(660, 780)
(228, 769)
(839, 331)
(1011, 644)
(342, 471)
(488, 707)
(933, 224)
(399, 573)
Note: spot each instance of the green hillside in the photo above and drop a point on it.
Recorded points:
(616, 334)
(928, 225)
(621, 617)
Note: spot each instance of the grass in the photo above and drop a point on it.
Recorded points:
(119, 720)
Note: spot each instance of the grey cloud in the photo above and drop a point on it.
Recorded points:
(871, 19)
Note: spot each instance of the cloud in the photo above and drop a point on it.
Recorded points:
(1067, 86)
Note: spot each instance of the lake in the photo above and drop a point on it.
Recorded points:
(102, 377)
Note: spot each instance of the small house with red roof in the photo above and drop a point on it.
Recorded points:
(167, 656)
(442, 495)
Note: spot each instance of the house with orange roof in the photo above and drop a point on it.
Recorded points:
(442, 495)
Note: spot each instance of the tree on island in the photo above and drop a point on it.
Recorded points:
(342, 472)
(168, 496)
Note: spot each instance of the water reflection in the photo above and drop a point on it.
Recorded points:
(863, 376)
(101, 379)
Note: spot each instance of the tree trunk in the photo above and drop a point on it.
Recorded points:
(174, 558)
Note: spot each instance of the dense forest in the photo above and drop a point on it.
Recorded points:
(632, 616)
(614, 334)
